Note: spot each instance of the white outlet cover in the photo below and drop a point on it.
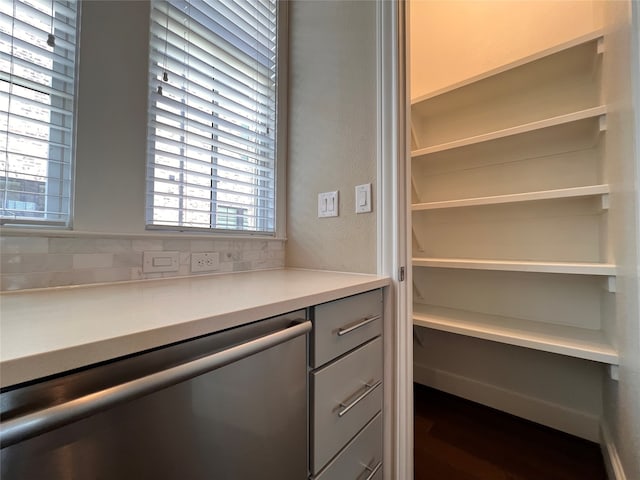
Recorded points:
(205, 261)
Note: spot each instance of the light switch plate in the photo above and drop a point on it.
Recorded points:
(153, 262)
(328, 204)
(363, 198)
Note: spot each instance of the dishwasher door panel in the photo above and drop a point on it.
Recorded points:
(246, 420)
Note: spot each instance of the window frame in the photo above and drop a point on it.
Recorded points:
(53, 180)
(281, 144)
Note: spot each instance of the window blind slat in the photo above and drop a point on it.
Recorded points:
(197, 44)
(220, 146)
(255, 11)
(167, 167)
(218, 81)
(201, 109)
(211, 157)
(19, 95)
(61, 60)
(37, 88)
(220, 150)
(165, 174)
(211, 121)
(34, 142)
(235, 38)
(249, 177)
(247, 196)
(32, 123)
(264, 36)
(22, 28)
(210, 63)
(176, 151)
(30, 11)
(231, 27)
(210, 210)
(210, 95)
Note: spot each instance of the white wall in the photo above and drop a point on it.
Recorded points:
(112, 117)
(332, 132)
(622, 94)
(451, 42)
(481, 35)
(558, 391)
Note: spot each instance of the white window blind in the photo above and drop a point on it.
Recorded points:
(38, 41)
(212, 115)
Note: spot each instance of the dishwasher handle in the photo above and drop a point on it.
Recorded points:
(27, 426)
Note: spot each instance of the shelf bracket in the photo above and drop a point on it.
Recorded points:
(610, 284)
(605, 201)
(416, 241)
(418, 336)
(416, 292)
(614, 372)
(602, 123)
(415, 194)
(414, 138)
(600, 46)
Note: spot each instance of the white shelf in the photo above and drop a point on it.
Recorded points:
(560, 339)
(507, 132)
(572, 268)
(590, 37)
(590, 190)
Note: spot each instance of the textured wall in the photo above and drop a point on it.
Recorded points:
(332, 132)
(38, 261)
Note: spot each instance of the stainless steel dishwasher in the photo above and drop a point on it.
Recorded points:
(231, 405)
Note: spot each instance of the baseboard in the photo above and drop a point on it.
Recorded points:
(610, 454)
(553, 415)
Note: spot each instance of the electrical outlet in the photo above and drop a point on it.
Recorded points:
(205, 262)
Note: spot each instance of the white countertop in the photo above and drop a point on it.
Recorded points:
(48, 331)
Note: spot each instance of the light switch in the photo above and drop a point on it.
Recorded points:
(328, 204)
(363, 198)
(153, 262)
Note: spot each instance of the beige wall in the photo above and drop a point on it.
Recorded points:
(332, 132)
(481, 35)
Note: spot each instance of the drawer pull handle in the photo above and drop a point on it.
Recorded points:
(373, 470)
(343, 331)
(368, 389)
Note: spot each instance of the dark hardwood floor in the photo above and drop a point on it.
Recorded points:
(456, 439)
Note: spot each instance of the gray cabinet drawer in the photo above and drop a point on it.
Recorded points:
(360, 458)
(346, 395)
(344, 324)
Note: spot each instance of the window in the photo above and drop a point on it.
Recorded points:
(212, 115)
(38, 40)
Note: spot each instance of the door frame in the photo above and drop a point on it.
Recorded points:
(393, 233)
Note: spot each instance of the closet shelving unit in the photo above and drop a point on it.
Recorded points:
(510, 205)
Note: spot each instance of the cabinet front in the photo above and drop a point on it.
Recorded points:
(346, 395)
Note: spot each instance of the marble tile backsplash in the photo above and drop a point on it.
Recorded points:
(37, 262)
